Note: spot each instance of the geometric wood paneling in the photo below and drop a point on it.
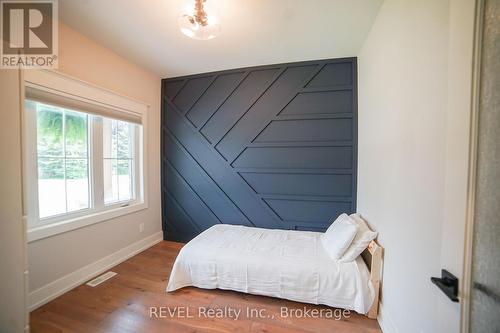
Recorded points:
(299, 184)
(307, 211)
(307, 130)
(321, 102)
(305, 157)
(271, 146)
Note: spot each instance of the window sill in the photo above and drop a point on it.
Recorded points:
(44, 231)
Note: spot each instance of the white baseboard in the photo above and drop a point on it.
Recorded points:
(54, 289)
(385, 321)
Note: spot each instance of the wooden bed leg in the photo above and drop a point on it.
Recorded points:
(373, 312)
(375, 265)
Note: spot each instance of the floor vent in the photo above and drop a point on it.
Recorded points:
(100, 279)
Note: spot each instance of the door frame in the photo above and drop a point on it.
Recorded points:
(472, 177)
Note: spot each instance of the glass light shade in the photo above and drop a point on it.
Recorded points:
(195, 30)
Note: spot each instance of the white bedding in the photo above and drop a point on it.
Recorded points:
(278, 263)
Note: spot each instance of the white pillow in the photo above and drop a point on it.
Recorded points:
(339, 236)
(363, 237)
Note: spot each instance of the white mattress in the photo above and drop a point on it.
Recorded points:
(278, 263)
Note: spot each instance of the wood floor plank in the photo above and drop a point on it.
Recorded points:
(123, 304)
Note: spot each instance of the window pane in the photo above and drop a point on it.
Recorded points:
(124, 180)
(118, 142)
(51, 187)
(76, 134)
(124, 140)
(62, 147)
(77, 184)
(110, 181)
(49, 131)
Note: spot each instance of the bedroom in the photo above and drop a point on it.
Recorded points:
(322, 160)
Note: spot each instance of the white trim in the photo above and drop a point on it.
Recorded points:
(385, 321)
(24, 219)
(57, 82)
(471, 186)
(60, 286)
(143, 156)
(44, 231)
(95, 166)
(30, 168)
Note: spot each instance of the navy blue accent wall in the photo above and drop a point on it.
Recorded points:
(271, 146)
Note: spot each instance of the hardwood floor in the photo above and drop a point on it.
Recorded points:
(123, 304)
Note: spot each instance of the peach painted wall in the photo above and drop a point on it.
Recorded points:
(52, 258)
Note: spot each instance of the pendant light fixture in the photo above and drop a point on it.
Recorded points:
(199, 25)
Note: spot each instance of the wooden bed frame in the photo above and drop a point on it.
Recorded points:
(373, 259)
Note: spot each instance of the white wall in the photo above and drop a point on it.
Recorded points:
(410, 144)
(55, 257)
(12, 240)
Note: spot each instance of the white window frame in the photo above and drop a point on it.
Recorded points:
(60, 84)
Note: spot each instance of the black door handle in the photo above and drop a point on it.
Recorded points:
(448, 283)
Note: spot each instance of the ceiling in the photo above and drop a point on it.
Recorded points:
(254, 32)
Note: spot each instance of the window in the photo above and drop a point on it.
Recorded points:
(117, 139)
(85, 163)
(62, 159)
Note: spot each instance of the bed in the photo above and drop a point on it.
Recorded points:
(286, 264)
